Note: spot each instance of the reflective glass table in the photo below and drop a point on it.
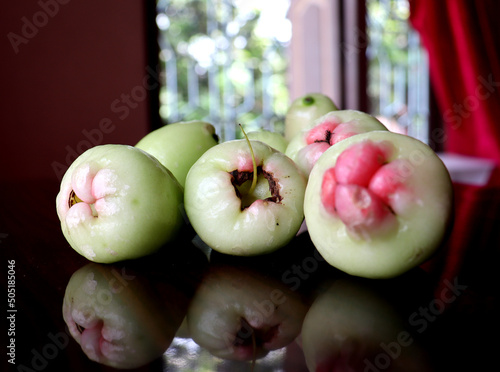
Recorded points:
(189, 309)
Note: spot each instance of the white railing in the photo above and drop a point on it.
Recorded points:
(209, 74)
(398, 81)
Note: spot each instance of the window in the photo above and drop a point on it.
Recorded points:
(236, 61)
(224, 61)
(398, 91)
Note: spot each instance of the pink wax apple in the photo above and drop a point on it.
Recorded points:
(117, 202)
(378, 204)
(346, 191)
(243, 204)
(304, 110)
(308, 145)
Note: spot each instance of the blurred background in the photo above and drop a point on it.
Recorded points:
(77, 74)
(246, 60)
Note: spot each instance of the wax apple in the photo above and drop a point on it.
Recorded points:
(117, 317)
(304, 110)
(236, 213)
(273, 139)
(178, 145)
(240, 314)
(351, 327)
(117, 202)
(308, 145)
(378, 204)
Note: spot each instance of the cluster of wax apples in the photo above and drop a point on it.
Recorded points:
(375, 203)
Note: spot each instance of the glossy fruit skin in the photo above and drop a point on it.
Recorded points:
(118, 320)
(422, 225)
(305, 152)
(178, 145)
(350, 320)
(273, 139)
(215, 210)
(140, 210)
(233, 303)
(304, 110)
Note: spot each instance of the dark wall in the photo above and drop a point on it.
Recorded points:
(73, 74)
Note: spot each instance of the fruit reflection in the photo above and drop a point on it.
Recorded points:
(352, 327)
(118, 317)
(240, 314)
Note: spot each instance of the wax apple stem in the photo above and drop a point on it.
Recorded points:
(308, 100)
(254, 178)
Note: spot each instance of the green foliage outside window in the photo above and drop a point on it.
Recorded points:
(224, 61)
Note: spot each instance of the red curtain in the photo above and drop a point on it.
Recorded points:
(462, 38)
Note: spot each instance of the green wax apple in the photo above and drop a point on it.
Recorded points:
(178, 145)
(235, 214)
(117, 202)
(273, 139)
(378, 204)
(304, 110)
(308, 145)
